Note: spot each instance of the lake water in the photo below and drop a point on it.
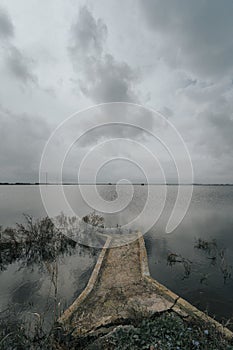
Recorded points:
(210, 216)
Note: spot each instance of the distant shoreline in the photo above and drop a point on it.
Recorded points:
(104, 184)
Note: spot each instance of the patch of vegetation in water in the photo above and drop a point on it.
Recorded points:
(18, 335)
(215, 254)
(34, 242)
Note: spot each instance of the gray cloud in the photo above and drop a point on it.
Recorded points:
(6, 26)
(104, 78)
(111, 81)
(217, 126)
(195, 37)
(193, 34)
(209, 126)
(16, 62)
(184, 55)
(22, 138)
(89, 35)
(19, 66)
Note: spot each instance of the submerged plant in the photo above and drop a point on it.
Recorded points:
(34, 242)
(173, 258)
(214, 253)
(208, 246)
(16, 334)
(41, 243)
(217, 256)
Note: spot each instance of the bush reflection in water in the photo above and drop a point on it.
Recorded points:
(37, 243)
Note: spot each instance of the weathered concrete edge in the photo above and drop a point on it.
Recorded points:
(92, 281)
(143, 256)
(90, 285)
(178, 301)
(191, 310)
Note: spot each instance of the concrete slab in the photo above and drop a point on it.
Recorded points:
(121, 288)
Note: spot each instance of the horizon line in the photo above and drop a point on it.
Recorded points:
(4, 183)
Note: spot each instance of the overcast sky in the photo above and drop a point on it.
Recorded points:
(58, 57)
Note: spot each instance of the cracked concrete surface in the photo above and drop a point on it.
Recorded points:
(121, 289)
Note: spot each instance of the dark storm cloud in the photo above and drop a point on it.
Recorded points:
(196, 37)
(6, 26)
(104, 78)
(22, 138)
(193, 34)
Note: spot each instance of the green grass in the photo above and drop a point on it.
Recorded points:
(167, 331)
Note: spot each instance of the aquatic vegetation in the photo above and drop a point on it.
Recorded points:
(37, 241)
(17, 334)
(173, 258)
(226, 270)
(216, 255)
(208, 246)
(204, 278)
(33, 242)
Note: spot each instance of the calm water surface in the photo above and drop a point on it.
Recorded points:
(210, 216)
